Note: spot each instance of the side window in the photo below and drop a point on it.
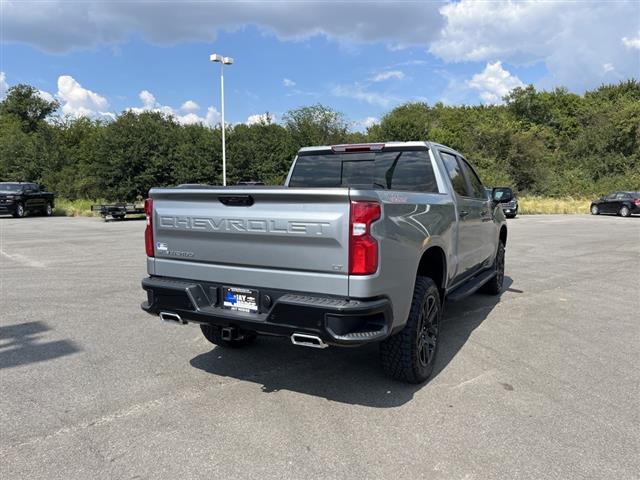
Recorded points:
(612, 196)
(409, 171)
(455, 174)
(476, 184)
(623, 196)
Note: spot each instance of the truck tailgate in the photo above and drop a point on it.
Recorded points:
(281, 228)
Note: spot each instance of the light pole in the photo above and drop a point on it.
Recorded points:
(214, 57)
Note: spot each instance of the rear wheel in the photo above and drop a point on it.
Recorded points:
(213, 334)
(20, 211)
(48, 210)
(624, 211)
(494, 286)
(410, 354)
(595, 210)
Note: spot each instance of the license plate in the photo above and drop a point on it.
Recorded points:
(240, 299)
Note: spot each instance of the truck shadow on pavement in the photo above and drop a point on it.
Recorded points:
(346, 375)
(19, 345)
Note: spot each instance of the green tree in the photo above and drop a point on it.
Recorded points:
(137, 152)
(315, 125)
(407, 122)
(27, 104)
(259, 152)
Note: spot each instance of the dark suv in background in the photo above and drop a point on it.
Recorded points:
(507, 200)
(624, 204)
(18, 199)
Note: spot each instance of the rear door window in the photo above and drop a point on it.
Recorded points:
(476, 185)
(455, 174)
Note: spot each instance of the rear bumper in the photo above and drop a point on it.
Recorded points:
(337, 321)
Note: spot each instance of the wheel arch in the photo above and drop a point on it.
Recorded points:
(433, 264)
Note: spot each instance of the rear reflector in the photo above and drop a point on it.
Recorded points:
(358, 147)
(148, 232)
(363, 248)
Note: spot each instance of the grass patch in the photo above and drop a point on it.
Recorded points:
(75, 208)
(527, 205)
(546, 205)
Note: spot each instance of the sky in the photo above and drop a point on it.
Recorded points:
(99, 58)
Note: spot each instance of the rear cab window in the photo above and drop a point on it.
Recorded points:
(391, 169)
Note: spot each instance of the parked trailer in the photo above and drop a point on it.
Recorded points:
(118, 211)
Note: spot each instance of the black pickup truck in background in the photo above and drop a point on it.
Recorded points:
(18, 199)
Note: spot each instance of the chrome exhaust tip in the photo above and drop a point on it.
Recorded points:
(305, 340)
(172, 318)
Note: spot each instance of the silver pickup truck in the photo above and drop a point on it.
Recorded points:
(363, 244)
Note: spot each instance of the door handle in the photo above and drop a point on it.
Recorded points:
(463, 213)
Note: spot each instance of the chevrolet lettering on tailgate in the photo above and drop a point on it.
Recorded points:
(213, 224)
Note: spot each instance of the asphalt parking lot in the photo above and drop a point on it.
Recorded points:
(540, 383)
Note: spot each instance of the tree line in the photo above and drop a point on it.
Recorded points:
(552, 143)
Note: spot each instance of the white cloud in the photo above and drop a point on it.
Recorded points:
(4, 86)
(46, 96)
(148, 100)
(607, 67)
(261, 118)
(189, 109)
(369, 121)
(570, 38)
(494, 82)
(79, 102)
(89, 23)
(358, 92)
(288, 83)
(190, 106)
(633, 42)
(382, 76)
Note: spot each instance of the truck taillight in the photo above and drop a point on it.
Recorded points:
(363, 248)
(637, 201)
(148, 232)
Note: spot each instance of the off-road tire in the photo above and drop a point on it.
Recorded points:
(494, 286)
(20, 211)
(624, 211)
(410, 354)
(595, 210)
(213, 334)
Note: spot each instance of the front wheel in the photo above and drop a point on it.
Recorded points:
(410, 354)
(595, 210)
(494, 286)
(214, 335)
(624, 211)
(20, 211)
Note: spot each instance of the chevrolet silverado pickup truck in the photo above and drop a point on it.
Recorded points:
(362, 244)
(19, 199)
